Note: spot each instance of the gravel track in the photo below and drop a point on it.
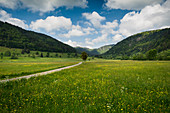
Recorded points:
(40, 74)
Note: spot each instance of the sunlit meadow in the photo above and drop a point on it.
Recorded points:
(10, 68)
(99, 86)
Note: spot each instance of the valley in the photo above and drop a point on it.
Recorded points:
(129, 76)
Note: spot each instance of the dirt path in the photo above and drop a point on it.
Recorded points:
(40, 74)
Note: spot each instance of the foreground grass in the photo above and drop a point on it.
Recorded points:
(10, 68)
(105, 86)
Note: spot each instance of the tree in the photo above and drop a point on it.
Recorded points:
(33, 55)
(14, 56)
(27, 51)
(75, 55)
(124, 57)
(68, 55)
(2, 55)
(48, 54)
(37, 53)
(84, 55)
(41, 54)
(22, 52)
(56, 55)
(139, 56)
(8, 53)
(151, 54)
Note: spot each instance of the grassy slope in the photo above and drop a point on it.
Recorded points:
(98, 86)
(10, 68)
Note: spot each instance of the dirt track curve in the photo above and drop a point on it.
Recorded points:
(40, 74)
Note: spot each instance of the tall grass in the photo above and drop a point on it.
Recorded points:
(105, 86)
(10, 68)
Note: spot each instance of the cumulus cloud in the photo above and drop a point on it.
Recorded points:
(6, 17)
(149, 18)
(78, 31)
(102, 38)
(43, 5)
(94, 18)
(131, 4)
(105, 30)
(109, 27)
(12, 4)
(117, 38)
(51, 24)
(72, 43)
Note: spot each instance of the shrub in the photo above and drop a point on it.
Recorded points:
(14, 56)
(8, 53)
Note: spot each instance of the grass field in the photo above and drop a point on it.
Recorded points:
(98, 86)
(10, 68)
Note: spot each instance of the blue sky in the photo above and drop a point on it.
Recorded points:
(87, 23)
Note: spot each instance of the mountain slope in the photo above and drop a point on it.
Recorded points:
(97, 51)
(90, 52)
(142, 42)
(14, 37)
(105, 48)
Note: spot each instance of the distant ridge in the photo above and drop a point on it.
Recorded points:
(141, 42)
(15, 37)
(93, 52)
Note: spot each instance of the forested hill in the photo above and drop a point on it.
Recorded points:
(93, 52)
(15, 37)
(141, 43)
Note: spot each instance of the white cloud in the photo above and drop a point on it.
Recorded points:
(43, 5)
(4, 16)
(88, 41)
(73, 32)
(149, 18)
(117, 38)
(52, 23)
(89, 31)
(102, 38)
(94, 18)
(77, 31)
(12, 4)
(131, 4)
(72, 43)
(109, 27)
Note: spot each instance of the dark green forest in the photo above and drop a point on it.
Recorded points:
(15, 37)
(140, 43)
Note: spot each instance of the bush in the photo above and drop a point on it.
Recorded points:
(48, 54)
(125, 57)
(8, 53)
(14, 56)
(33, 56)
(151, 54)
(41, 55)
(164, 55)
(2, 55)
(139, 56)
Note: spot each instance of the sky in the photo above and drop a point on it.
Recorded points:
(87, 23)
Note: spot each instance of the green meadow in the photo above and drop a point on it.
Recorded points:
(94, 86)
(10, 68)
